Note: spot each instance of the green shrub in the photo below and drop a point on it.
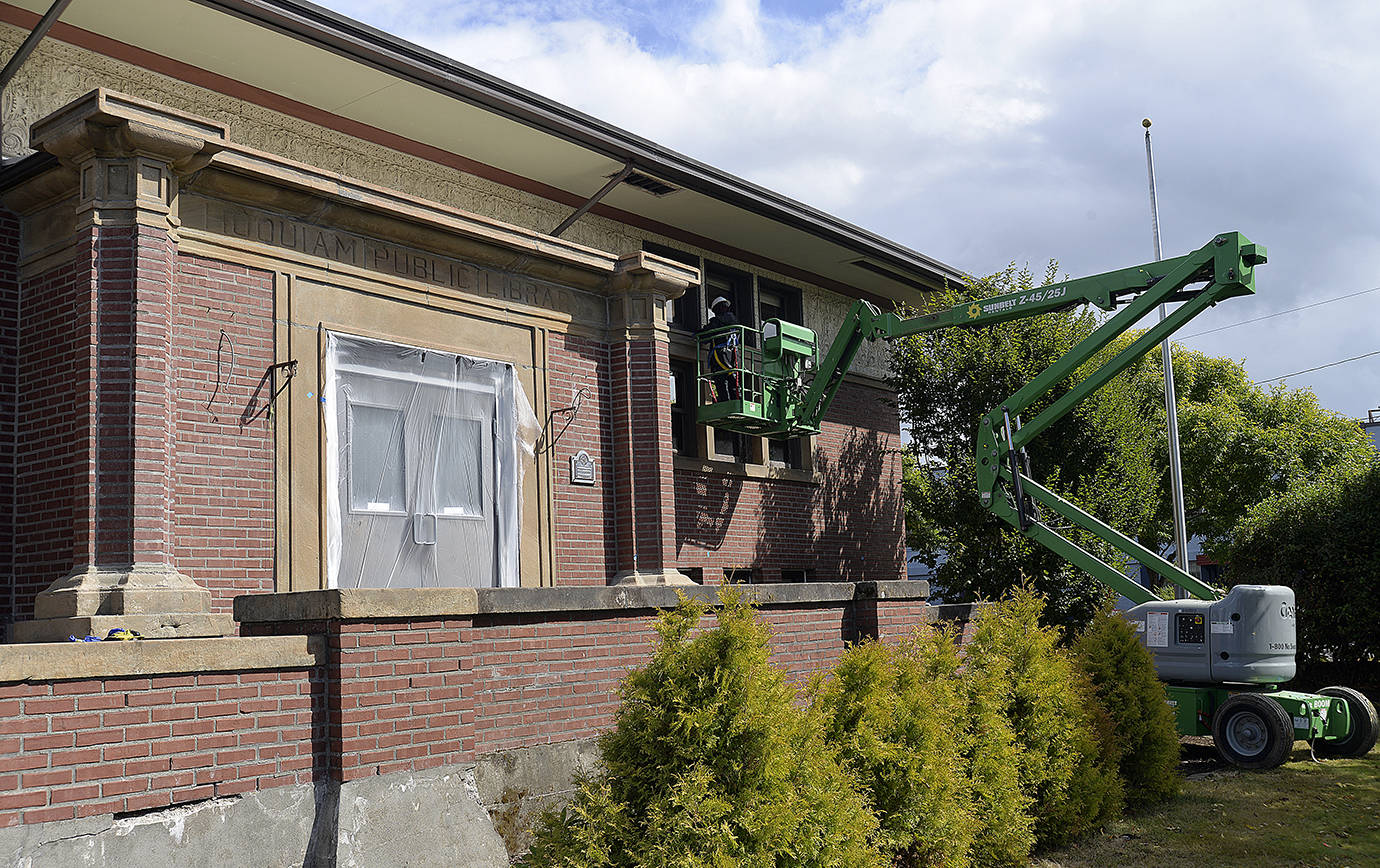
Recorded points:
(710, 764)
(1065, 766)
(1006, 831)
(1146, 741)
(893, 723)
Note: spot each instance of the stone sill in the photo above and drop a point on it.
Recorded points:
(61, 661)
(748, 471)
(355, 604)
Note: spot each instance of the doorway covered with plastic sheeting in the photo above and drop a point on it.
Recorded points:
(422, 466)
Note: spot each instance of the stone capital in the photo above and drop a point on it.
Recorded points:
(108, 124)
(128, 154)
(642, 283)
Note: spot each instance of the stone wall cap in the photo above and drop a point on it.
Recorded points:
(65, 661)
(337, 604)
(895, 589)
(397, 603)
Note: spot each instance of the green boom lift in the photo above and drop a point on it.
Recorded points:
(1222, 656)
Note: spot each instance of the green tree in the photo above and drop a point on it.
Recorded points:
(1143, 736)
(711, 764)
(1066, 759)
(1320, 538)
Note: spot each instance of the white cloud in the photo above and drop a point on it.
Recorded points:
(984, 131)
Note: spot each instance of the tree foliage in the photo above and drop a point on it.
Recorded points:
(710, 764)
(946, 380)
(1320, 537)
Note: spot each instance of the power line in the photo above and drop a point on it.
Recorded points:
(1280, 313)
(1318, 368)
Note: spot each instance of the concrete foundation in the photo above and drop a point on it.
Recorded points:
(473, 815)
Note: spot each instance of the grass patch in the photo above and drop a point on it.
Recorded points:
(1301, 813)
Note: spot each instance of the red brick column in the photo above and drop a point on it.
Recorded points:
(127, 156)
(640, 404)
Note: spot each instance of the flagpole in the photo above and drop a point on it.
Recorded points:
(1176, 479)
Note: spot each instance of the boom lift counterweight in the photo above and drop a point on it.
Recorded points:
(1225, 654)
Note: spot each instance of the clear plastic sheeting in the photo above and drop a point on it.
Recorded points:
(424, 457)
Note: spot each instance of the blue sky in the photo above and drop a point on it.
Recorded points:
(982, 132)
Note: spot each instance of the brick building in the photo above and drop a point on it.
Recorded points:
(384, 366)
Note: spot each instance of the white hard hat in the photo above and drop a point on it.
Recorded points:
(718, 301)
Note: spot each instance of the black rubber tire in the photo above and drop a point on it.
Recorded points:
(1252, 731)
(1364, 726)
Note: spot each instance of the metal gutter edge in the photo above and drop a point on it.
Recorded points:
(364, 44)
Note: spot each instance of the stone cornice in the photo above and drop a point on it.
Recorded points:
(105, 126)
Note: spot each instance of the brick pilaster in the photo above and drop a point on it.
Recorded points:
(640, 403)
(127, 157)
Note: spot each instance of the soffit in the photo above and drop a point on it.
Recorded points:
(307, 54)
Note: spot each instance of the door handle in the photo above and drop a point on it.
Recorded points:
(423, 529)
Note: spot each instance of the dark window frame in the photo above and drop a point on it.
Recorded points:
(685, 439)
(792, 302)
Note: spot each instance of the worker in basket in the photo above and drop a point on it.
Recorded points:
(722, 358)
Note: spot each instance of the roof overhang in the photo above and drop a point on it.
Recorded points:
(308, 61)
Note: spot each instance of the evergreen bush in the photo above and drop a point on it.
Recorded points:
(1005, 830)
(1067, 766)
(710, 764)
(893, 724)
(1146, 740)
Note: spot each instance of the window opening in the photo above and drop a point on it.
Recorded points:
(459, 482)
(734, 285)
(778, 301)
(684, 402)
(424, 458)
(786, 453)
(375, 458)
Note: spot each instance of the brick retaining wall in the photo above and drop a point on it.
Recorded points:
(368, 683)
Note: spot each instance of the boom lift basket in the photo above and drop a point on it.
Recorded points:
(752, 381)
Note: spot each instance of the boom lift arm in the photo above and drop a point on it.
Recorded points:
(1221, 657)
(1225, 268)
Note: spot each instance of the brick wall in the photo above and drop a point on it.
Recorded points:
(223, 495)
(584, 515)
(386, 695)
(847, 526)
(642, 471)
(51, 425)
(9, 359)
(109, 746)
